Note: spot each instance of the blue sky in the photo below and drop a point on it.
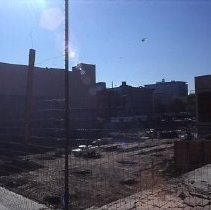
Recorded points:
(108, 33)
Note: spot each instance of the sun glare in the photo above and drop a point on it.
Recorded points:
(51, 19)
(42, 3)
(35, 3)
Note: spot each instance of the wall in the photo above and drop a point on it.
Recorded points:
(48, 85)
(191, 154)
(203, 104)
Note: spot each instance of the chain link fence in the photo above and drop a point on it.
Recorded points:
(108, 168)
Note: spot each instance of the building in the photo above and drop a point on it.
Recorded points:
(100, 86)
(169, 96)
(203, 104)
(173, 88)
(48, 95)
(83, 95)
(124, 101)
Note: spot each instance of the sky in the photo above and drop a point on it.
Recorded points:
(109, 33)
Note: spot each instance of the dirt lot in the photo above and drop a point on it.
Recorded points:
(126, 166)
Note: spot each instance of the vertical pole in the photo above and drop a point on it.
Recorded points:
(196, 110)
(29, 85)
(66, 196)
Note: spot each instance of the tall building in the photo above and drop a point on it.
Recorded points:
(169, 96)
(48, 85)
(172, 88)
(83, 95)
(124, 101)
(203, 104)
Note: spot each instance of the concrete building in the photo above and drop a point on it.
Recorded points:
(203, 104)
(83, 95)
(100, 86)
(124, 101)
(48, 94)
(173, 88)
(169, 96)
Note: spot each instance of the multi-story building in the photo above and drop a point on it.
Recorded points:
(169, 96)
(173, 88)
(83, 95)
(124, 101)
(48, 91)
(203, 104)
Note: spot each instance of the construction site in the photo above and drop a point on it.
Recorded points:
(122, 170)
(137, 162)
(68, 142)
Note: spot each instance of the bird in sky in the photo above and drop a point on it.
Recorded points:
(143, 39)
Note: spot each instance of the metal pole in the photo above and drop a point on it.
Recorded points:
(67, 112)
(29, 86)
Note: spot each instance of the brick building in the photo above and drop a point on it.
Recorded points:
(48, 94)
(124, 101)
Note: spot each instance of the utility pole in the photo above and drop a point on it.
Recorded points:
(29, 87)
(67, 112)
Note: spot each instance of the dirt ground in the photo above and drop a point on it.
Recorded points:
(124, 168)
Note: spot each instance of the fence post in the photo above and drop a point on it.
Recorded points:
(67, 112)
